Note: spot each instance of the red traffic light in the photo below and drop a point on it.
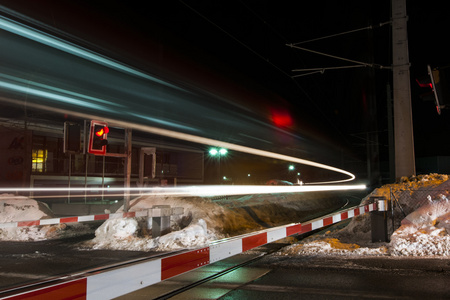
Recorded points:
(281, 117)
(98, 138)
(103, 130)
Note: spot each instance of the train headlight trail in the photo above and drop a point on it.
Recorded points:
(208, 141)
(80, 102)
(202, 191)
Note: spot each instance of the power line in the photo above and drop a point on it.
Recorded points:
(340, 58)
(343, 33)
(322, 70)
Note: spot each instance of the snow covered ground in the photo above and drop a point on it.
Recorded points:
(425, 231)
(194, 229)
(18, 208)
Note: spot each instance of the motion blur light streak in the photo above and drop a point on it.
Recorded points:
(179, 109)
(125, 117)
(254, 138)
(212, 190)
(204, 141)
(164, 122)
(49, 95)
(207, 141)
(59, 90)
(46, 39)
(22, 85)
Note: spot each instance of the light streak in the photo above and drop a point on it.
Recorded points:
(49, 94)
(23, 85)
(42, 90)
(258, 152)
(203, 191)
(54, 42)
(197, 139)
(51, 41)
(164, 122)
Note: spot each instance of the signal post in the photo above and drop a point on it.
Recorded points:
(98, 142)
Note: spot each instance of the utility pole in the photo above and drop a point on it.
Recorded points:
(403, 126)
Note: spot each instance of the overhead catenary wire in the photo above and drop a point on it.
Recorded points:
(339, 58)
(322, 70)
(343, 33)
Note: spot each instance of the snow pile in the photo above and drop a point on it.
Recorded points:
(195, 235)
(425, 231)
(331, 246)
(18, 208)
(124, 234)
(203, 221)
(410, 193)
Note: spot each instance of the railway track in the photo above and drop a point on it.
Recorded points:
(181, 288)
(116, 276)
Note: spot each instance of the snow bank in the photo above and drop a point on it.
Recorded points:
(425, 231)
(195, 235)
(203, 221)
(124, 234)
(18, 208)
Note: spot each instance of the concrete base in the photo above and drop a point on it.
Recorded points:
(161, 223)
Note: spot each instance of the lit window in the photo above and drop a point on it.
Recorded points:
(39, 158)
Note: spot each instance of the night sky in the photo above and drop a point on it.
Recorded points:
(238, 49)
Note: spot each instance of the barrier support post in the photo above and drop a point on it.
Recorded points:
(379, 220)
(160, 220)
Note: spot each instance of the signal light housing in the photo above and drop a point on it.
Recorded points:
(98, 138)
(72, 137)
(439, 83)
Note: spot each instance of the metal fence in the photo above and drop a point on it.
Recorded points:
(408, 200)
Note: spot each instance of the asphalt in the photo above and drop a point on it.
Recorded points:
(277, 276)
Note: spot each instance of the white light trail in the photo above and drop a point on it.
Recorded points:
(70, 98)
(203, 191)
(46, 39)
(23, 85)
(258, 152)
(54, 42)
(199, 140)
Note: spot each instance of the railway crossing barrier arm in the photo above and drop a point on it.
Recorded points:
(154, 212)
(114, 282)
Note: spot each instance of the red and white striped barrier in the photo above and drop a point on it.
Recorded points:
(152, 212)
(123, 280)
